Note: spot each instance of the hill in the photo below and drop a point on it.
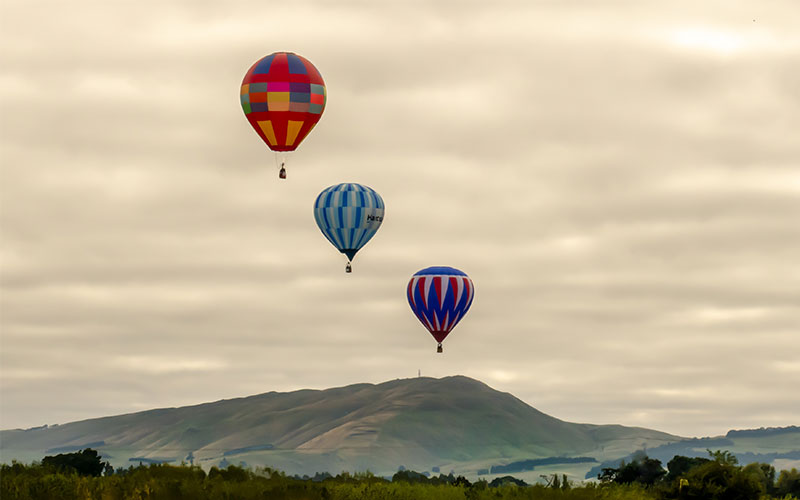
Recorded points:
(779, 446)
(453, 423)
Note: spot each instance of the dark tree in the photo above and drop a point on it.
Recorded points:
(409, 476)
(789, 483)
(644, 470)
(720, 479)
(502, 481)
(764, 474)
(680, 465)
(86, 462)
(461, 481)
(723, 457)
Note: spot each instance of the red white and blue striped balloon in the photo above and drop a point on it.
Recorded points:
(440, 296)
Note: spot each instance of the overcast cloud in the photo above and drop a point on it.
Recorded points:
(620, 179)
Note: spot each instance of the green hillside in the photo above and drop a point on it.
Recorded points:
(453, 423)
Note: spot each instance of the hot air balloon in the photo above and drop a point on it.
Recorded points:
(349, 215)
(440, 296)
(283, 97)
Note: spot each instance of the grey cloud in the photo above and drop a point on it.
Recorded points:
(624, 205)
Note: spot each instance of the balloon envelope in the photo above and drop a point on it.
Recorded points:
(349, 215)
(283, 97)
(440, 296)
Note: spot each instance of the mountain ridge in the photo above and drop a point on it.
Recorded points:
(453, 422)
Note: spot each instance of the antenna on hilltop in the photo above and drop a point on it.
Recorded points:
(419, 373)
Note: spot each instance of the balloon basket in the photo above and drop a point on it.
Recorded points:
(348, 268)
(439, 348)
(282, 173)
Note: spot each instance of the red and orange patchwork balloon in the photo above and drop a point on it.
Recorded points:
(283, 97)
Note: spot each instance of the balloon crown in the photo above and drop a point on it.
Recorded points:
(444, 270)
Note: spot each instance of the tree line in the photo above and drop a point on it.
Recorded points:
(83, 475)
(718, 477)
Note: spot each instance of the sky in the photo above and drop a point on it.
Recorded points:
(620, 179)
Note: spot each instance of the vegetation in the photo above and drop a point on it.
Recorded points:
(85, 463)
(83, 475)
(716, 478)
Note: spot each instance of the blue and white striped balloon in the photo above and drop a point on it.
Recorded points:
(349, 215)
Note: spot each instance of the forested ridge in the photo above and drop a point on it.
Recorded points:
(83, 475)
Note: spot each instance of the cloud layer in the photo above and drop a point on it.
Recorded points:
(621, 182)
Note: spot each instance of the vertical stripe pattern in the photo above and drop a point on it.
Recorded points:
(349, 215)
(440, 297)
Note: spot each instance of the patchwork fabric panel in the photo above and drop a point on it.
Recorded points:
(440, 297)
(283, 89)
(349, 215)
(305, 98)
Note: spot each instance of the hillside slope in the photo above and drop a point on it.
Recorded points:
(453, 423)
